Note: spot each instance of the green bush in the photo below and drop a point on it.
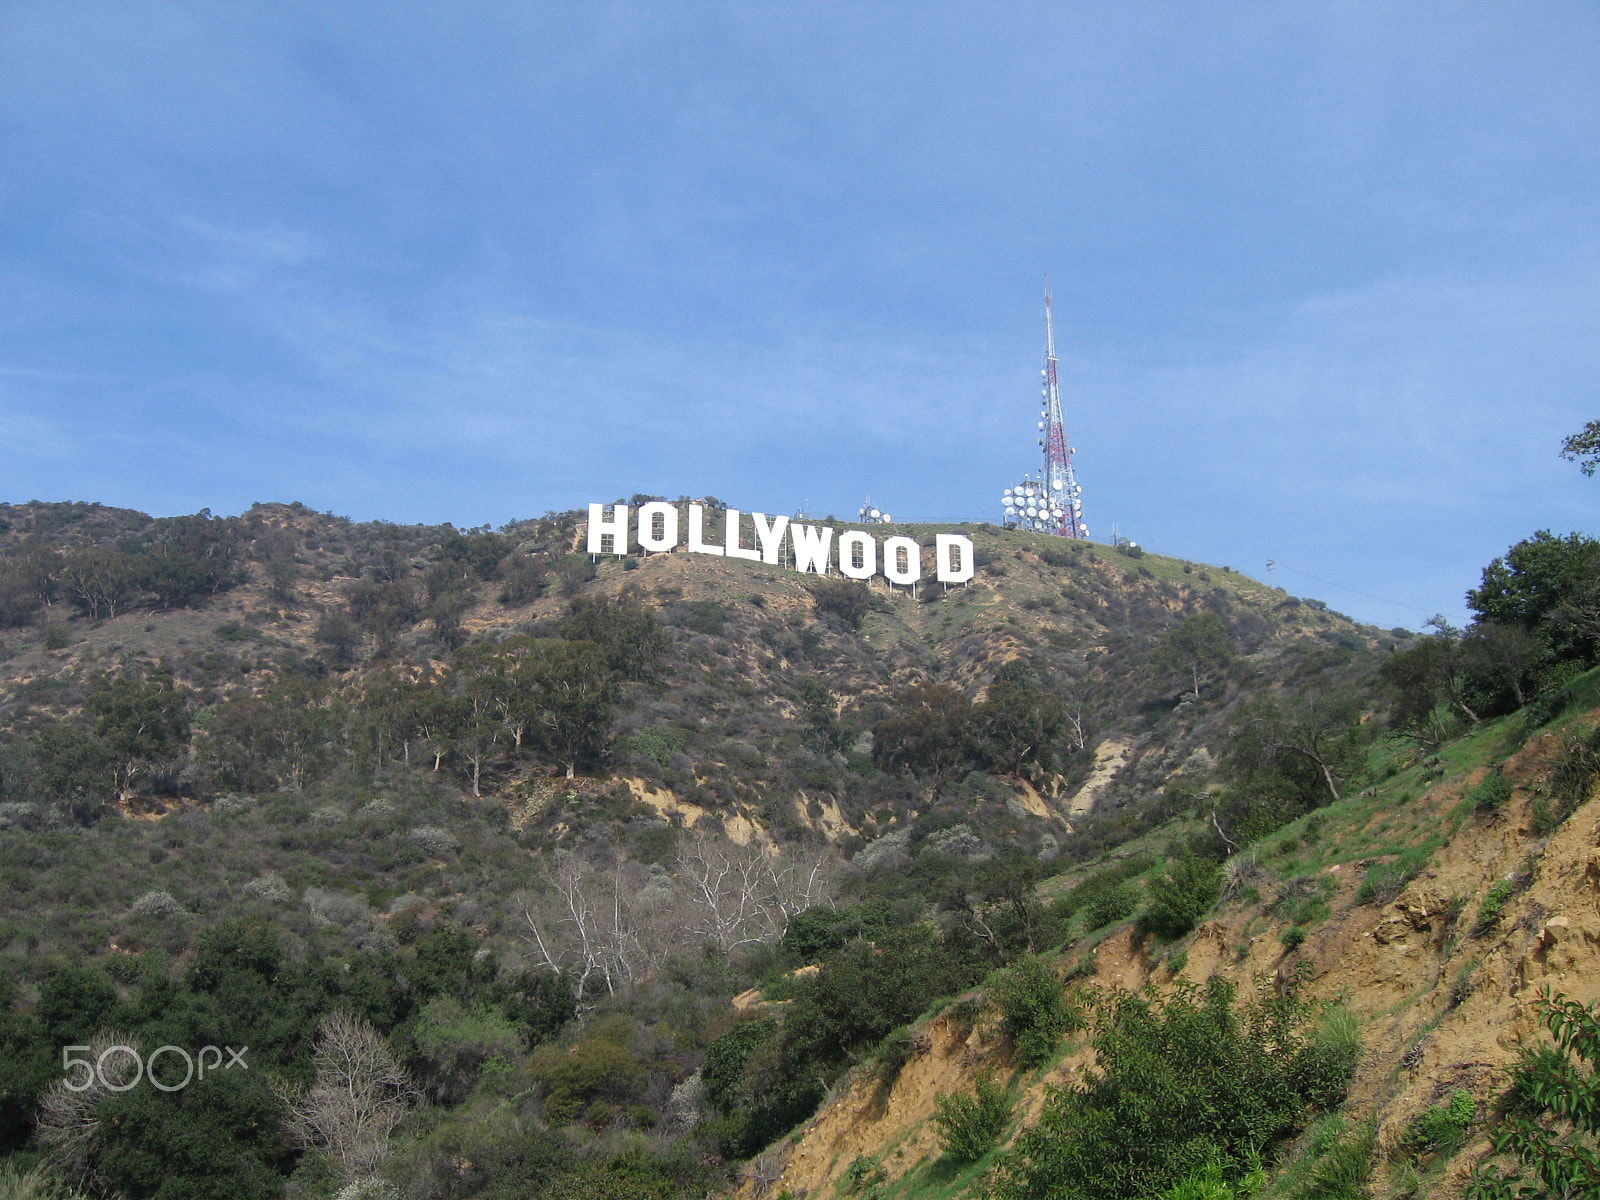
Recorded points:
(1440, 1129)
(1105, 880)
(1035, 1012)
(1293, 937)
(1384, 881)
(1552, 1112)
(1179, 897)
(1179, 1083)
(1492, 793)
(969, 1126)
(1340, 1164)
(1111, 905)
(1493, 907)
(1207, 1183)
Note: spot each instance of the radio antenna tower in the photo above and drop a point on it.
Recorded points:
(1054, 502)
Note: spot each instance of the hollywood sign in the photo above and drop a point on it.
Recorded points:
(856, 555)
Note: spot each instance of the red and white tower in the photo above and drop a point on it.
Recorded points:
(1052, 503)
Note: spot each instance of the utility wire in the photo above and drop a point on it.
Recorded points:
(1353, 591)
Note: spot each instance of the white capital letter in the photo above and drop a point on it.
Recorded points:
(617, 528)
(669, 525)
(730, 539)
(697, 542)
(811, 547)
(770, 536)
(944, 545)
(848, 543)
(893, 548)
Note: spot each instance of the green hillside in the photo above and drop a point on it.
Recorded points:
(531, 820)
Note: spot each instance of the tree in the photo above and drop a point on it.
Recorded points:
(69, 1125)
(1532, 578)
(1019, 723)
(341, 635)
(1583, 447)
(1504, 654)
(384, 607)
(741, 895)
(583, 927)
(482, 698)
(187, 560)
(64, 766)
(929, 734)
(568, 699)
(358, 1097)
(142, 723)
(1314, 729)
(1432, 674)
(283, 736)
(99, 580)
(630, 639)
(1198, 648)
(820, 711)
(847, 599)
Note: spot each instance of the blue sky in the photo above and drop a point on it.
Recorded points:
(1327, 275)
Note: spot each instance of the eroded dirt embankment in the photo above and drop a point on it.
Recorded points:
(1440, 1008)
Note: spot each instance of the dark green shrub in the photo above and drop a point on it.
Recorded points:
(1293, 937)
(1114, 904)
(1439, 1129)
(1552, 1112)
(1178, 1083)
(1035, 1012)
(57, 637)
(844, 598)
(707, 616)
(1179, 897)
(1105, 880)
(969, 1126)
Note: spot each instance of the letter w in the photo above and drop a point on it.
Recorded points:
(811, 548)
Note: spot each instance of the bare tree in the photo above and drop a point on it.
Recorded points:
(357, 1097)
(741, 895)
(607, 929)
(727, 888)
(593, 926)
(69, 1117)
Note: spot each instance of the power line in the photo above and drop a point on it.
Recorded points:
(1353, 591)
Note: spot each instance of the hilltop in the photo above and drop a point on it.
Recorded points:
(714, 732)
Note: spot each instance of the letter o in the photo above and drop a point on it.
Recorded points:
(847, 555)
(150, 1065)
(892, 550)
(100, 1068)
(647, 525)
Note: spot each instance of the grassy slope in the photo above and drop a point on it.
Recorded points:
(1443, 1004)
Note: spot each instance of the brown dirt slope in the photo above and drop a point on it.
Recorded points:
(1440, 1008)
